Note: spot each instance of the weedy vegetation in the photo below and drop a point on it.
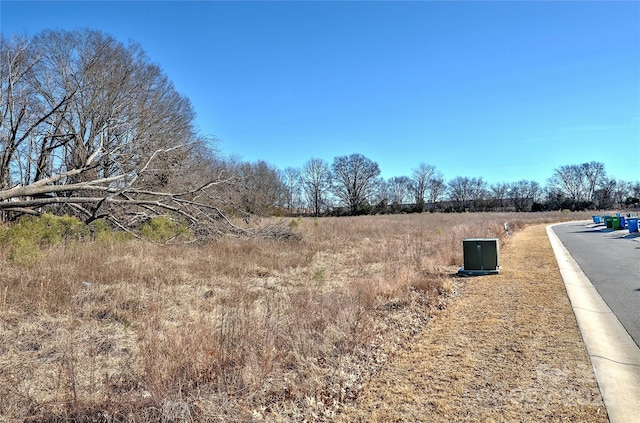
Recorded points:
(100, 326)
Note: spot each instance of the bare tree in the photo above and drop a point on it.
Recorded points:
(263, 190)
(382, 195)
(399, 190)
(578, 182)
(593, 174)
(523, 194)
(479, 193)
(354, 179)
(499, 192)
(24, 113)
(422, 178)
(633, 200)
(635, 189)
(291, 182)
(90, 127)
(437, 188)
(315, 178)
(622, 190)
(463, 191)
(567, 179)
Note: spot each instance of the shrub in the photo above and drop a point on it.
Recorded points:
(46, 230)
(23, 252)
(163, 229)
(295, 223)
(26, 237)
(102, 231)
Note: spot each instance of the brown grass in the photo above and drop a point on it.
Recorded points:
(232, 330)
(508, 350)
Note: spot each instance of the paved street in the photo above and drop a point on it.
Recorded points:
(611, 261)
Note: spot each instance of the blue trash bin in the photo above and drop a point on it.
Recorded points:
(633, 224)
(596, 219)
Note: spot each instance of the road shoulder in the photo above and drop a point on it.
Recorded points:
(613, 354)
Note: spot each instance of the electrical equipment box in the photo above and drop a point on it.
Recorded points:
(481, 256)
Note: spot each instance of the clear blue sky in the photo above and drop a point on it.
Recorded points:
(503, 90)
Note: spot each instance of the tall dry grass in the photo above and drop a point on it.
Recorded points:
(233, 330)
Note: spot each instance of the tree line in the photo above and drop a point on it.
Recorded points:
(352, 185)
(91, 127)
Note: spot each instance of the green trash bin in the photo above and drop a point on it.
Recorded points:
(609, 221)
(615, 223)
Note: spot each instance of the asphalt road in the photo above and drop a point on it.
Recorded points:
(611, 261)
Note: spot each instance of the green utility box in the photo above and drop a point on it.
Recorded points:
(481, 256)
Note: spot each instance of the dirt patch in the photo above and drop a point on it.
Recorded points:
(508, 350)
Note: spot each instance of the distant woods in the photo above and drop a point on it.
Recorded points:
(572, 187)
(91, 127)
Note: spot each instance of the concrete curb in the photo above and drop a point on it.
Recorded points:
(614, 355)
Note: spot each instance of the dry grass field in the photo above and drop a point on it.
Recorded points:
(508, 350)
(244, 329)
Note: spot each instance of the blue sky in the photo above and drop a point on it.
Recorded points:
(503, 90)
